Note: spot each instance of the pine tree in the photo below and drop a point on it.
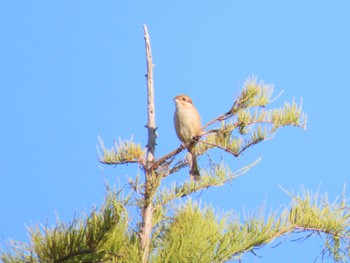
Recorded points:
(169, 231)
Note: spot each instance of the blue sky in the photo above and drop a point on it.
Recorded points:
(72, 70)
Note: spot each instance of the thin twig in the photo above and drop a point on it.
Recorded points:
(301, 228)
(116, 163)
(221, 117)
(220, 147)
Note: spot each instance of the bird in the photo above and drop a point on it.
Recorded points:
(187, 122)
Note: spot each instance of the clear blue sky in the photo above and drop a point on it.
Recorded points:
(71, 70)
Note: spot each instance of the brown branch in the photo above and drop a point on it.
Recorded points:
(164, 158)
(286, 231)
(237, 105)
(71, 256)
(178, 166)
(301, 228)
(225, 116)
(245, 147)
(220, 147)
(175, 168)
(116, 163)
(221, 117)
(235, 126)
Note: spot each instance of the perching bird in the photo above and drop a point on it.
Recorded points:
(187, 125)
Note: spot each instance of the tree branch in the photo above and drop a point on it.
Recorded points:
(147, 211)
(163, 159)
(220, 147)
(314, 229)
(221, 117)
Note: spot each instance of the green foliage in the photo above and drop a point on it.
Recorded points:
(190, 233)
(191, 236)
(309, 212)
(198, 235)
(102, 236)
(217, 175)
(125, 152)
(253, 95)
(249, 122)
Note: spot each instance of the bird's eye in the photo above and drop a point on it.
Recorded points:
(184, 99)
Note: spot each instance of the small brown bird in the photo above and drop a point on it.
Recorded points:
(187, 125)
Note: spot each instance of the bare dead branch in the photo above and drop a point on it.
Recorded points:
(147, 212)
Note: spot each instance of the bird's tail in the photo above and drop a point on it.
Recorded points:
(194, 171)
